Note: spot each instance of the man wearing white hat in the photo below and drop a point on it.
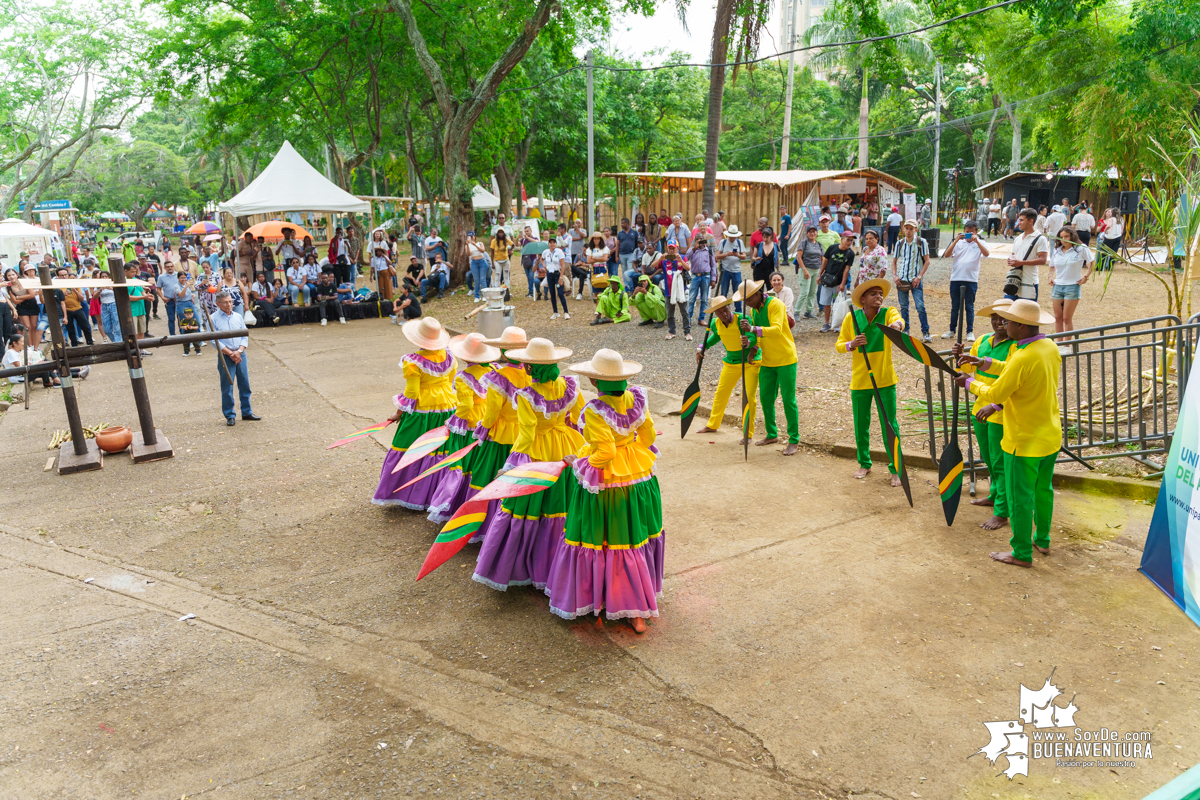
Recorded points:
(766, 318)
(1028, 390)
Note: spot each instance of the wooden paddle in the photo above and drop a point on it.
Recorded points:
(950, 465)
(891, 439)
(691, 395)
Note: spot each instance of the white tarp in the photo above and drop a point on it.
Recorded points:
(483, 200)
(843, 186)
(289, 183)
(17, 236)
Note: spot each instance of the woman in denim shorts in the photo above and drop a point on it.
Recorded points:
(1071, 264)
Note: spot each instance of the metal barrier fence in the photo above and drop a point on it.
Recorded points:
(1119, 392)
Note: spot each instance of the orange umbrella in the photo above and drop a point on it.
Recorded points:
(273, 229)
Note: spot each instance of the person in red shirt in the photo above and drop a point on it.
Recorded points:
(757, 237)
(664, 219)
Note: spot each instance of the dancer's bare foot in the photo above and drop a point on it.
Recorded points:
(766, 440)
(707, 429)
(993, 523)
(742, 441)
(983, 501)
(1043, 550)
(895, 481)
(1007, 558)
(639, 624)
(861, 473)
(791, 449)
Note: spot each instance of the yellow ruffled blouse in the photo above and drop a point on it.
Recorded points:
(500, 407)
(428, 375)
(619, 440)
(547, 416)
(470, 403)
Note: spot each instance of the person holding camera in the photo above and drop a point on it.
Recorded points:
(967, 249)
(1029, 251)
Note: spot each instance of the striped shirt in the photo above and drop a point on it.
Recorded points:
(910, 257)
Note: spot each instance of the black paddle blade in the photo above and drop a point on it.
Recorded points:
(916, 349)
(950, 478)
(691, 402)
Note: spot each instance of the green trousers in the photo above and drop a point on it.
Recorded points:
(860, 401)
(1030, 501)
(773, 381)
(988, 436)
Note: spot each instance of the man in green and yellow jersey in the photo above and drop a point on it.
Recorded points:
(1028, 389)
(723, 328)
(987, 359)
(868, 299)
(766, 318)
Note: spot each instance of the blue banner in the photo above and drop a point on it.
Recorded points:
(1172, 555)
(48, 205)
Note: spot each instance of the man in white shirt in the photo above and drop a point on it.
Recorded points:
(994, 217)
(552, 259)
(233, 366)
(287, 249)
(1029, 251)
(297, 282)
(894, 220)
(501, 226)
(1084, 223)
(578, 237)
(966, 250)
(434, 245)
(1055, 221)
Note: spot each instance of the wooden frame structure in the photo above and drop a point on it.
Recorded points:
(744, 195)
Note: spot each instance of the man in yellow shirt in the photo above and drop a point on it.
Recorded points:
(868, 297)
(766, 317)
(1028, 390)
(723, 328)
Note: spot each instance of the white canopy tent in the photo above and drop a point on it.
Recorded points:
(17, 236)
(289, 183)
(483, 200)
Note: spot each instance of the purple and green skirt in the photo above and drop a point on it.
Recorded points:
(523, 534)
(417, 497)
(611, 555)
(489, 460)
(451, 486)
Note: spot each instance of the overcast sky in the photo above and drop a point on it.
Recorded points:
(634, 35)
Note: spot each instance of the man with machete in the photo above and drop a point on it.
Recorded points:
(766, 317)
(723, 328)
(868, 297)
(1028, 390)
(988, 357)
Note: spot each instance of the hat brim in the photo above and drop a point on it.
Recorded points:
(410, 331)
(862, 288)
(522, 355)
(628, 370)
(1043, 318)
(987, 311)
(733, 234)
(719, 302)
(458, 350)
(506, 346)
(755, 288)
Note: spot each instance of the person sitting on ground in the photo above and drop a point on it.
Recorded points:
(612, 305)
(650, 302)
(407, 305)
(439, 277)
(188, 323)
(327, 294)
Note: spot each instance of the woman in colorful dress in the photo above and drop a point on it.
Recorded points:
(874, 261)
(497, 428)
(520, 539)
(611, 556)
(425, 404)
(452, 486)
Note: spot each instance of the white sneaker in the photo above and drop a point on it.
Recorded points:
(323, 323)
(554, 316)
(579, 297)
(1063, 350)
(948, 335)
(478, 299)
(185, 355)
(927, 339)
(566, 316)
(342, 320)
(971, 336)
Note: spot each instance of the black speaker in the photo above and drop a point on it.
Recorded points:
(1129, 202)
(1114, 200)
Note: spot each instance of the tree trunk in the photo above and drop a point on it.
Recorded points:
(1014, 119)
(716, 94)
(458, 189)
(504, 186)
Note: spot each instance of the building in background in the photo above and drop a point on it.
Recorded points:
(804, 13)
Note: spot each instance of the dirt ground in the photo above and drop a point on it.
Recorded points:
(818, 638)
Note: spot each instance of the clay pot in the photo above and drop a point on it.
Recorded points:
(114, 440)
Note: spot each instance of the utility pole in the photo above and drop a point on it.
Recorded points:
(591, 198)
(937, 135)
(790, 38)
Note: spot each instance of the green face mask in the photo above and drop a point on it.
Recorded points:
(612, 387)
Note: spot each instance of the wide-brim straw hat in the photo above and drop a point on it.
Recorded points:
(732, 232)
(861, 289)
(473, 348)
(748, 288)
(539, 351)
(510, 338)
(987, 311)
(718, 301)
(607, 365)
(1026, 312)
(426, 333)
